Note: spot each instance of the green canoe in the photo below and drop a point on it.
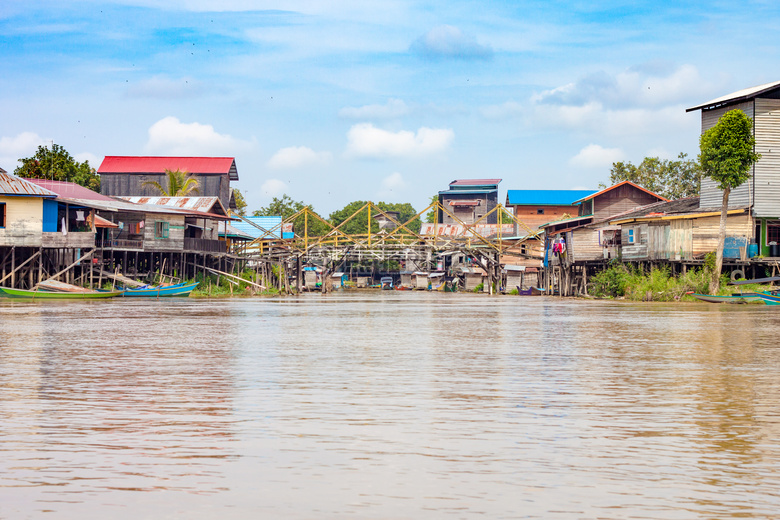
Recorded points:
(49, 295)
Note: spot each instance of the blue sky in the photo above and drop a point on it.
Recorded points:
(344, 100)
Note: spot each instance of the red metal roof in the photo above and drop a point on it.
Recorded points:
(465, 202)
(146, 164)
(474, 182)
(69, 190)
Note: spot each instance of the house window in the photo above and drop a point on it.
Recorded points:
(540, 211)
(631, 238)
(160, 230)
(773, 231)
(2, 214)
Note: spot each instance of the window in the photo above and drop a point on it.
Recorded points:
(631, 238)
(540, 211)
(160, 230)
(773, 231)
(2, 214)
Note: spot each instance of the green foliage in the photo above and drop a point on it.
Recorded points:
(611, 282)
(286, 207)
(240, 201)
(57, 164)
(727, 154)
(670, 179)
(621, 281)
(479, 288)
(180, 184)
(359, 224)
(514, 292)
(430, 217)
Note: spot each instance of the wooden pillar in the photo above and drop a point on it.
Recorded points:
(13, 267)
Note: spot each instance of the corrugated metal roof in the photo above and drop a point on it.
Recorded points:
(464, 202)
(272, 225)
(475, 182)
(12, 185)
(546, 197)
(605, 190)
(69, 190)
(207, 204)
(735, 97)
(146, 164)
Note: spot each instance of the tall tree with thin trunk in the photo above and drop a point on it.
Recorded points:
(727, 156)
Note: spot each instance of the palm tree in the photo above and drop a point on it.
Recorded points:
(180, 184)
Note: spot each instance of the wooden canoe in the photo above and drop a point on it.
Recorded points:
(731, 298)
(166, 291)
(8, 292)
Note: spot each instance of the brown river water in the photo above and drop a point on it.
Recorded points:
(388, 405)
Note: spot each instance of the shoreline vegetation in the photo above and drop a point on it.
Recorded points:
(623, 281)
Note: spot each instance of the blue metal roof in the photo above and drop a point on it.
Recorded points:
(271, 224)
(547, 197)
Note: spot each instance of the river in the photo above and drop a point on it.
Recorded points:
(388, 405)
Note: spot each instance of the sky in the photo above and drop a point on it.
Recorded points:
(335, 101)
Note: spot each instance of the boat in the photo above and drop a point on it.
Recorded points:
(731, 298)
(162, 291)
(8, 292)
(769, 298)
(531, 291)
(386, 282)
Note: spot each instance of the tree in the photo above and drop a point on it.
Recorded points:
(240, 201)
(57, 164)
(180, 184)
(670, 179)
(286, 207)
(430, 217)
(359, 224)
(726, 156)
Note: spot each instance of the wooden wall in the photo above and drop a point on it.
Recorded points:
(131, 185)
(529, 216)
(23, 221)
(620, 200)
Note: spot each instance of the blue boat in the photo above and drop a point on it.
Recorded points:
(162, 291)
(769, 298)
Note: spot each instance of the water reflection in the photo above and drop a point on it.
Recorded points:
(385, 405)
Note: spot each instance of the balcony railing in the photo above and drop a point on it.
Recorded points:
(121, 244)
(205, 245)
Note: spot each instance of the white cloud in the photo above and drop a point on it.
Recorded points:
(642, 86)
(392, 109)
(169, 136)
(273, 188)
(14, 148)
(365, 140)
(595, 156)
(296, 157)
(446, 41)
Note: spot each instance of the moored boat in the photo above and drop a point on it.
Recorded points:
(769, 299)
(731, 298)
(163, 291)
(8, 292)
